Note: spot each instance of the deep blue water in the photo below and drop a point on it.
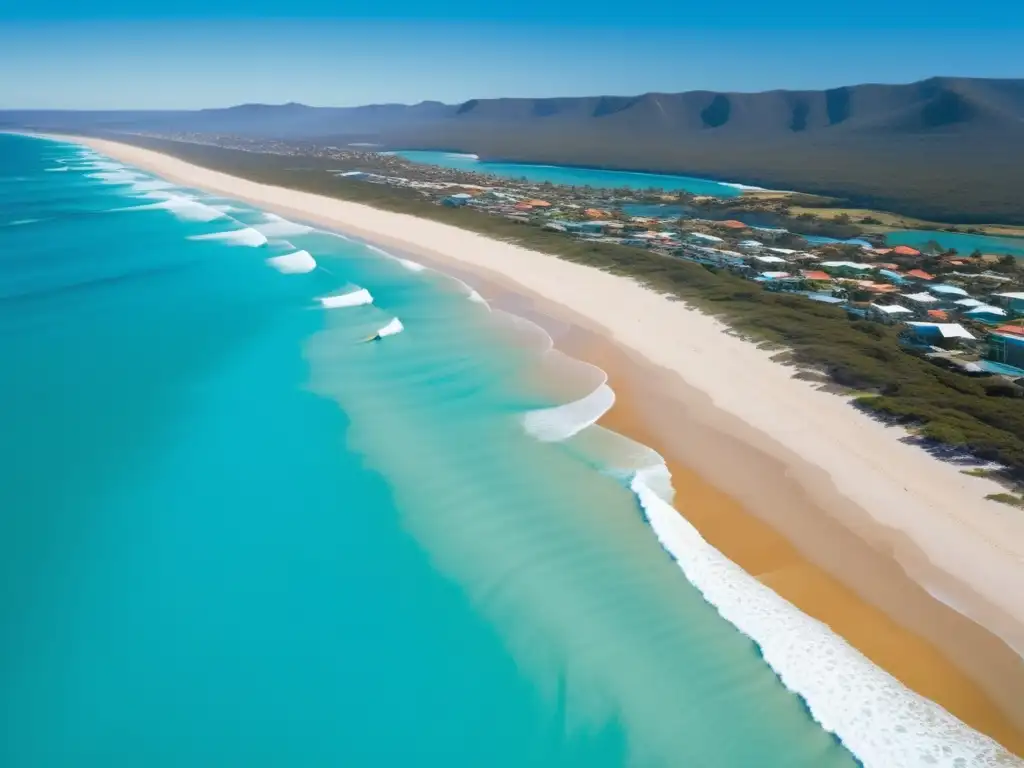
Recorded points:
(563, 174)
(233, 534)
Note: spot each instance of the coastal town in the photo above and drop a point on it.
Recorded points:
(961, 311)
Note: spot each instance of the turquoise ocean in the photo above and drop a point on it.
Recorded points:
(234, 533)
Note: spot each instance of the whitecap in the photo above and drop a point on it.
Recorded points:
(355, 298)
(245, 236)
(877, 718)
(561, 422)
(185, 208)
(275, 226)
(295, 263)
(395, 326)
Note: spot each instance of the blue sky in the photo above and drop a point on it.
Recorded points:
(106, 54)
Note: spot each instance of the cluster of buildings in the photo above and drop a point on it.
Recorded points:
(962, 314)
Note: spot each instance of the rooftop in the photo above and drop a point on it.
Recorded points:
(946, 330)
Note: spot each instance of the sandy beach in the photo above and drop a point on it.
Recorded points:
(897, 552)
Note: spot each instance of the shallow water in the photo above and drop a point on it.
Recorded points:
(572, 176)
(236, 533)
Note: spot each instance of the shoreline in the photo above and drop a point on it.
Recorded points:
(994, 668)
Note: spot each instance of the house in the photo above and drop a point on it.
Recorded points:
(947, 294)
(945, 335)
(919, 302)
(1006, 345)
(888, 313)
(733, 224)
(919, 274)
(767, 259)
(816, 275)
(538, 203)
(905, 250)
(750, 245)
(1014, 301)
(892, 276)
(702, 238)
(938, 315)
(986, 313)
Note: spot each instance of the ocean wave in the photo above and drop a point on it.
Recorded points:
(561, 422)
(463, 155)
(245, 236)
(185, 208)
(276, 226)
(116, 177)
(151, 185)
(356, 298)
(296, 263)
(876, 717)
(61, 169)
(393, 327)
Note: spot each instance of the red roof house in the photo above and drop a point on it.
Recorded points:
(814, 274)
(906, 250)
(920, 274)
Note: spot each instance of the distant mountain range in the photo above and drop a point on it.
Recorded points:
(944, 148)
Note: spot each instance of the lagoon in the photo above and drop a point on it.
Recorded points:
(572, 176)
(964, 243)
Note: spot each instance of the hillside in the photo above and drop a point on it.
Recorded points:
(942, 148)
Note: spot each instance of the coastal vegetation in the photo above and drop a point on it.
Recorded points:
(950, 412)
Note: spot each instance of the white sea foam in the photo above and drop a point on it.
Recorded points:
(395, 326)
(563, 421)
(58, 170)
(245, 236)
(151, 185)
(463, 155)
(275, 226)
(883, 723)
(355, 298)
(117, 177)
(296, 263)
(186, 208)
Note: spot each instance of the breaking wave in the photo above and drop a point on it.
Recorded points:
(561, 422)
(296, 263)
(186, 208)
(355, 298)
(245, 236)
(393, 327)
(276, 226)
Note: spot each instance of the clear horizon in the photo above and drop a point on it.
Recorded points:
(112, 55)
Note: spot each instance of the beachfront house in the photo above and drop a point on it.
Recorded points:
(750, 246)
(987, 313)
(1012, 300)
(890, 314)
(947, 294)
(766, 261)
(1006, 347)
(944, 335)
(702, 239)
(919, 302)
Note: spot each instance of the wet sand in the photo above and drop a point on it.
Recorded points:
(778, 513)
